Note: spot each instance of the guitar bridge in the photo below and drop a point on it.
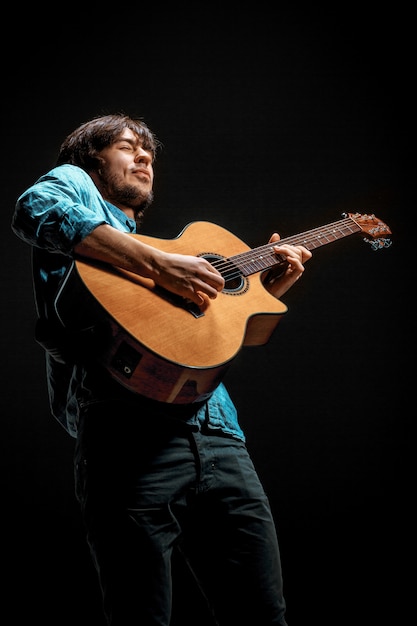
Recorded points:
(179, 301)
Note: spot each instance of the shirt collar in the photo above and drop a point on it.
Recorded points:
(122, 217)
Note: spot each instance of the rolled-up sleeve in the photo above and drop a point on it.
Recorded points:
(59, 210)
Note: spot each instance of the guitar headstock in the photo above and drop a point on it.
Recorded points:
(373, 227)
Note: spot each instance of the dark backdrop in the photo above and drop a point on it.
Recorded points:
(271, 120)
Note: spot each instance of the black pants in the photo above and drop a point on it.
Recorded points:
(150, 492)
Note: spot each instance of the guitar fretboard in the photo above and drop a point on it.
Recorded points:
(264, 257)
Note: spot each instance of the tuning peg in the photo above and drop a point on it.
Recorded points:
(377, 244)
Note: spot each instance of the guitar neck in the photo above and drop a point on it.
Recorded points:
(264, 257)
(323, 235)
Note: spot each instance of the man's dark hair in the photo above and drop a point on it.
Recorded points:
(82, 146)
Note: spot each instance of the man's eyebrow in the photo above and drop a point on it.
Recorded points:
(133, 142)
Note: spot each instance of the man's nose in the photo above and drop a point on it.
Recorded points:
(143, 156)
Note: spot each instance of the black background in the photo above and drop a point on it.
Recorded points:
(271, 120)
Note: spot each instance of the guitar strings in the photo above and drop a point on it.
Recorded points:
(264, 257)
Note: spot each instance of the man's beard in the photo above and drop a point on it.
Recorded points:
(118, 192)
(141, 211)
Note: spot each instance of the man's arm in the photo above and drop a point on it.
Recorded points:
(191, 277)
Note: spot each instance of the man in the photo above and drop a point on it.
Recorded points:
(153, 478)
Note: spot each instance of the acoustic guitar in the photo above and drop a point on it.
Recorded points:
(168, 349)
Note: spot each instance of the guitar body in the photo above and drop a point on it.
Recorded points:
(157, 344)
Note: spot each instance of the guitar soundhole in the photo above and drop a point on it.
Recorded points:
(234, 280)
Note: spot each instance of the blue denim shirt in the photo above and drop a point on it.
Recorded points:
(53, 216)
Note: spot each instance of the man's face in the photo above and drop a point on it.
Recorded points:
(125, 176)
